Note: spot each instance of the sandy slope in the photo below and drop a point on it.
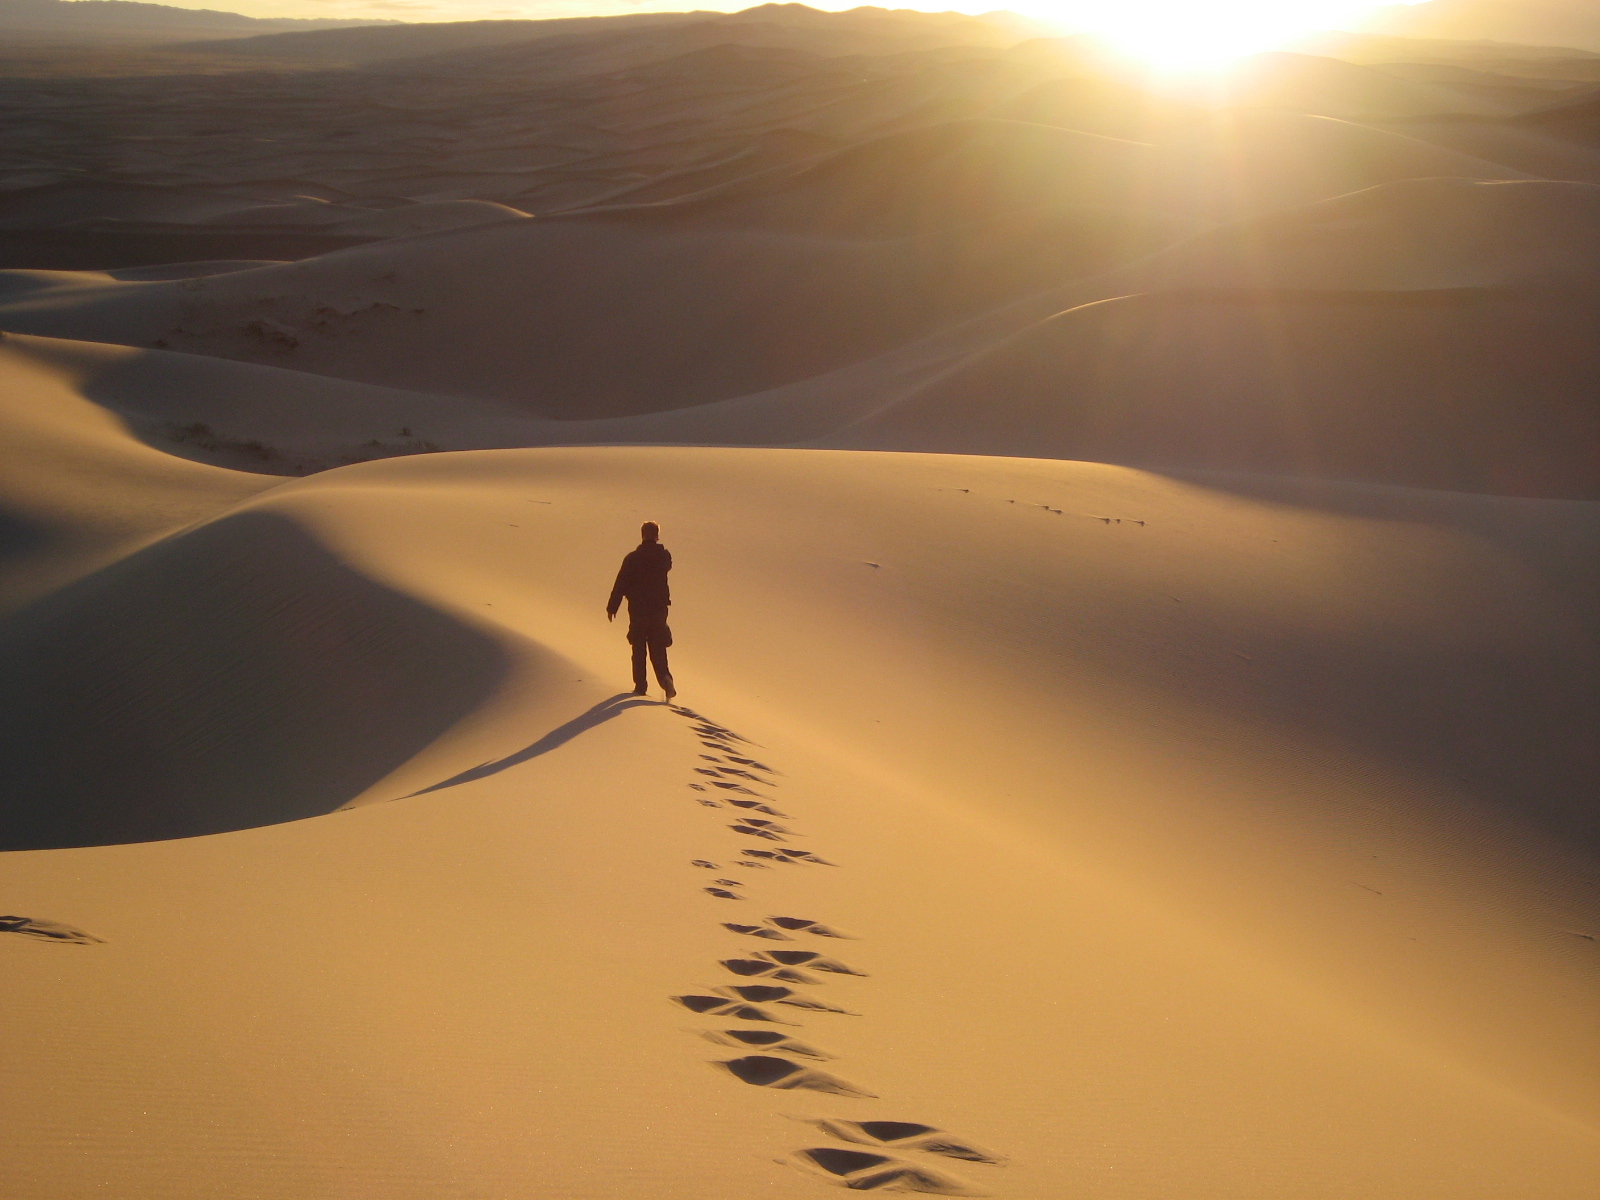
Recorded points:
(1379, 335)
(527, 312)
(1238, 852)
(76, 489)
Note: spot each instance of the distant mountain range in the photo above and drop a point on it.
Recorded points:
(1525, 22)
(125, 19)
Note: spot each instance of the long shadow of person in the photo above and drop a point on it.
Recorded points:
(612, 706)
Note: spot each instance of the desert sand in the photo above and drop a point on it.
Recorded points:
(1138, 571)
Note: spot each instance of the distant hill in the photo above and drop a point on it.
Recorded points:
(380, 43)
(125, 19)
(1530, 22)
(863, 30)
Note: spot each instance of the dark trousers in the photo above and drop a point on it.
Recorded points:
(650, 636)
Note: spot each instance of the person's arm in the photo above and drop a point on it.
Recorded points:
(618, 590)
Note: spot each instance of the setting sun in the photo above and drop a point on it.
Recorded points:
(1184, 34)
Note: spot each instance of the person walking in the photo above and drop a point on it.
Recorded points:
(642, 581)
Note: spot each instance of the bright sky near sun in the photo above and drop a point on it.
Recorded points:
(1197, 33)
(1166, 33)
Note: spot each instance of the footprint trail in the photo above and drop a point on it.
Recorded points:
(886, 1155)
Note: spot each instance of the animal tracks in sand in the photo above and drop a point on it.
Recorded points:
(47, 931)
(887, 1154)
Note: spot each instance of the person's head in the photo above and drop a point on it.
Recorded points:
(650, 532)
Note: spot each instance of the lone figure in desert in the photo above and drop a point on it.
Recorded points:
(642, 581)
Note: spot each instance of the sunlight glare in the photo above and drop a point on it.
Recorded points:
(1193, 34)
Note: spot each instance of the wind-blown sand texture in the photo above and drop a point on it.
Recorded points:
(1135, 613)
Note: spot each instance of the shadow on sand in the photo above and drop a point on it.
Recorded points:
(612, 706)
(238, 675)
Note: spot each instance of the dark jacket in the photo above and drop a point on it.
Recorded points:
(643, 582)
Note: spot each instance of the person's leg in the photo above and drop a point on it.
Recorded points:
(640, 683)
(658, 660)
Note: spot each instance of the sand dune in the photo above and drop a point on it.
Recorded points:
(512, 311)
(1331, 88)
(1195, 828)
(77, 490)
(1539, 23)
(1578, 121)
(264, 419)
(1109, 107)
(930, 178)
(1240, 162)
(1137, 555)
(808, 305)
(1342, 386)
(596, 111)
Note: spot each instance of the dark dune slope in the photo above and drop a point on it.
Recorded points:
(1577, 122)
(1109, 107)
(926, 179)
(1482, 390)
(599, 317)
(249, 678)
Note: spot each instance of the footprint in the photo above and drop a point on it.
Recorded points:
(721, 1006)
(754, 806)
(810, 959)
(788, 856)
(750, 762)
(864, 1172)
(700, 862)
(732, 787)
(765, 1070)
(742, 774)
(757, 931)
(709, 731)
(706, 771)
(47, 931)
(805, 856)
(761, 968)
(907, 1135)
(728, 882)
(723, 893)
(699, 787)
(769, 1039)
(771, 835)
(771, 856)
(763, 993)
(800, 924)
(709, 758)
